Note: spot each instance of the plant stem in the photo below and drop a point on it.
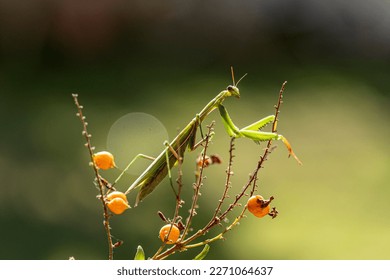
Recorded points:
(98, 178)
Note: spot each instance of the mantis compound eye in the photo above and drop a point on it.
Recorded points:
(233, 91)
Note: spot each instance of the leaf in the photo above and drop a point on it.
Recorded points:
(140, 255)
(204, 252)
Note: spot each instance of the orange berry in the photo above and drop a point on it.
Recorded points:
(118, 206)
(116, 194)
(169, 234)
(117, 202)
(104, 160)
(258, 206)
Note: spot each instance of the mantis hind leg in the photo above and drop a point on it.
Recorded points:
(199, 124)
(192, 144)
(131, 162)
(171, 150)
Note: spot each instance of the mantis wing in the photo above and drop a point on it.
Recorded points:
(158, 169)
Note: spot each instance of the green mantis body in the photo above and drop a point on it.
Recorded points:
(158, 169)
(160, 166)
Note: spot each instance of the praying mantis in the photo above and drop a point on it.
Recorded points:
(161, 165)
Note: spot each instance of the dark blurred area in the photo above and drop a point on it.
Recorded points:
(168, 58)
(49, 36)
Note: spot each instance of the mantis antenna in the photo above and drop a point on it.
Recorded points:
(231, 70)
(234, 82)
(241, 78)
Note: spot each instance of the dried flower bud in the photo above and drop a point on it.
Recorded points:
(208, 160)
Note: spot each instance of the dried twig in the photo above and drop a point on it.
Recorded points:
(100, 181)
(180, 244)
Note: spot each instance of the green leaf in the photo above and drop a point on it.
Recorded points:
(140, 255)
(204, 252)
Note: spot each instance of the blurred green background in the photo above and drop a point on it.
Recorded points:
(168, 59)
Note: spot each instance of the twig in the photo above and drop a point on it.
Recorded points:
(198, 184)
(215, 219)
(268, 150)
(229, 173)
(180, 245)
(179, 201)
(100, 181)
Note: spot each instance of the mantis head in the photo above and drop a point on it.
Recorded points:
(233, 91)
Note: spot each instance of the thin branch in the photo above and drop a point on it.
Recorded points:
(229, 173)
(192, 212)
(198, 184)
(215, 219)
(268, 150)
(100, 181)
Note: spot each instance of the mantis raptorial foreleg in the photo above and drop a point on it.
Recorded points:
(253, 131)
